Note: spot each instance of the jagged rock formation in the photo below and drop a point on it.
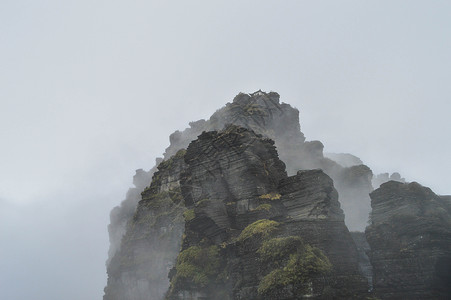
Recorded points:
(230, 186)
(410, 239)
(227, 219)
(344, 159)
(139, 269)
(121, 215)
(264, 114)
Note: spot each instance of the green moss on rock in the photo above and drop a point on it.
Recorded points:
(261, 227)
(198, 265)
(266, 207)
(306, 263)
(189, 214)
(278, 248)
(270, 196)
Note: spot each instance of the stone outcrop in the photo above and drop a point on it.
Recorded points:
(266, 115)
(251, 210)
(244, 210)
(224, 221)
(410, 240)
(139, 268)
(345, 160)
(122, 214)
(363, 250)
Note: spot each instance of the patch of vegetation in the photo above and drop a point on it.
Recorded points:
(198, 265)
(158, 200)
(167, 164)
(278, 248)
(166, 198)
(261, 227)
(181, 153)
(189, 214)
(266, 207)
(301, 266)
(158, 208)
(270, 196)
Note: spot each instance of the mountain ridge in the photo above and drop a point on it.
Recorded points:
(249, 169)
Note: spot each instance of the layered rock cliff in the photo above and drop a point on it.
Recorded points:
(410, 240)
(251, 210)
(139, 268)
(248, 230)
(266, 115)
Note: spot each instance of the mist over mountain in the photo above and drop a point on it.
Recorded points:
(91, 91)
(241, 206)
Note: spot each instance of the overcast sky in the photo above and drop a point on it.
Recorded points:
(91, 90)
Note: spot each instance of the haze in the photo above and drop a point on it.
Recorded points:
(90, 91)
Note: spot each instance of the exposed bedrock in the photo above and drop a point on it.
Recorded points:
(266, 115)
(120, 215)
(254, 233)
(363, 250)
(139, 268)
(213, 215)
(410, 239)
(346, 160)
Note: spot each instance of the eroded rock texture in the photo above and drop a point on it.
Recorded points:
(139, 268)
(266, 115)
(363, 250)
(410, 239)
(254, 233)
(228, 219)
(344, 159)
(122, 214)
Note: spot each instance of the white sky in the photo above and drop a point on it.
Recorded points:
(91, 90)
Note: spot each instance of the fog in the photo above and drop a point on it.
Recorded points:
(90, 92)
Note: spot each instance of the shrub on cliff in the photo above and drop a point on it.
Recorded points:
(303, 262)
(261, 228)
(198, 265)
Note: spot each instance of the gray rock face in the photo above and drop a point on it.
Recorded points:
(138, 270)
(410, 239)
(120, 215)
(211, 216)
(227, 160)
(310, 195)
(228, 219)
(235, 184)
(266, 115)
(315, 215)
(346, 160)
(364, 249)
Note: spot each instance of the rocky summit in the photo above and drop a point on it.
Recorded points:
(410, 240)
(241, 206)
